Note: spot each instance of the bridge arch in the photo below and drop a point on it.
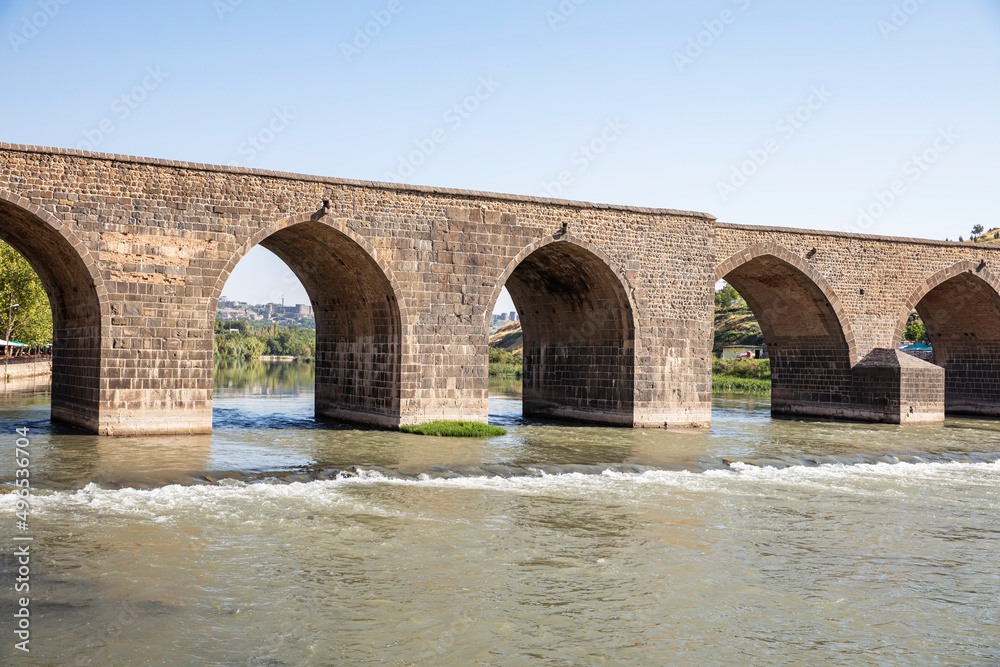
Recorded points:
(808, 336)
(79, 301)
(578, 317)
(968, 273)
(355, 298)
(960, 308)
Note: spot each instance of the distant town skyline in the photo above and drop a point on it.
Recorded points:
(263, 278)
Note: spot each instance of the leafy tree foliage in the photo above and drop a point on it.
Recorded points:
(757, 369)
(506, 364)
(725, 296)
(915, 330)
(25, 313)
(238, 340)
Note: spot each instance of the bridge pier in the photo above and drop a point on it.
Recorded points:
(886, 386)
(897, 388)
(157, 359)
(972, 377)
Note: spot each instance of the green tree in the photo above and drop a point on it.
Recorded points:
(236, 340)
(976, 231)
(253, 347)
(916, 331)
(726, 296)
(24, 306)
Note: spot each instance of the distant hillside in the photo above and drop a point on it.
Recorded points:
(735, 325)
(509, 338)
(992, 236)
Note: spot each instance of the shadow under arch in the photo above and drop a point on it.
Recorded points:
(960, 308)
(577, 315)
(79, 302)
(359, 342)
(809, 340)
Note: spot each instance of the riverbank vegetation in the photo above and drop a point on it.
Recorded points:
(504, 364)
(741, 376)
(454, 429)
(735, 324)
(915, 331)
(25, 314)
(239, 340)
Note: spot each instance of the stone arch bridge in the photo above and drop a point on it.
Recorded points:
(616, 301)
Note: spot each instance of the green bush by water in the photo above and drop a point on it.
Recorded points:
(452, 429)
(741, 376)
(757, 369)
(505, 364)
(730, 385)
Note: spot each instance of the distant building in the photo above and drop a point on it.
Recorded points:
(268, 312)
(737, 351)
(513, 316)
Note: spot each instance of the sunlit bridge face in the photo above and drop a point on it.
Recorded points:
(357, 320)
(578, 336)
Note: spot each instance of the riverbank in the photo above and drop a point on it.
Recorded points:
(727, 384)
(26, 373)
(741, 376)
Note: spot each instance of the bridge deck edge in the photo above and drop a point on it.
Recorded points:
(423, 189)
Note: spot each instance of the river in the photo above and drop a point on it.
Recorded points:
(278, 540)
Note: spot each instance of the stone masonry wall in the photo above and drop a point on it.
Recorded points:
(135, 254)
(870, 285)
(163, 237)
(873, 279)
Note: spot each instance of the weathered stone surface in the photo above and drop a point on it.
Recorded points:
(828, 299)
(616, 301)
(403, 279)
(895, 387)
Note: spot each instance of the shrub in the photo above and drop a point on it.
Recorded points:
(453, 429)
(732, 385)
(505, 364)
(756, 369)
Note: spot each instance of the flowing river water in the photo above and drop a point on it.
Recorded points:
(279, 540)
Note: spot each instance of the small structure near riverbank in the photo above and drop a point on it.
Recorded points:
(744, 352)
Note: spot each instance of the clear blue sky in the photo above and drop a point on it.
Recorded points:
(886, 79)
